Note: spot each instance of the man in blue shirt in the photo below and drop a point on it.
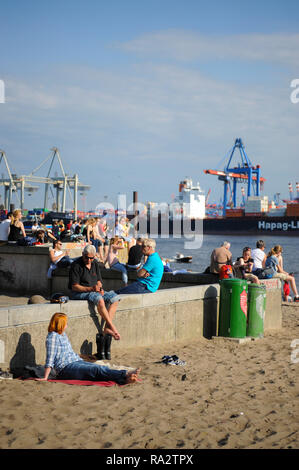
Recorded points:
(150, 275)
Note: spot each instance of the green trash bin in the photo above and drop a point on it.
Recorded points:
(233, 308)
(256, 310)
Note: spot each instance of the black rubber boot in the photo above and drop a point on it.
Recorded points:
(108, 339)
(100, 340)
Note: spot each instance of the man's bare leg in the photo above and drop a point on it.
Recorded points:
(111, 311)
(103, 312)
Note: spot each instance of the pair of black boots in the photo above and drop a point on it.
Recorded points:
(103, 346)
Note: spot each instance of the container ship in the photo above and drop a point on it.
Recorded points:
(256, 215)
(239, 221)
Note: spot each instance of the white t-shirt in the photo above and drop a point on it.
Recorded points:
(57, 253)
(4, 230)
(258, 256)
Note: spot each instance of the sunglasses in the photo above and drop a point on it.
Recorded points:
(89, 257)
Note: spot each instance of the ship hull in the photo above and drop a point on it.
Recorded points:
(288, 226)
(284, 226)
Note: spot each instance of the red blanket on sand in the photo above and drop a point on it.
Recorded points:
(109, 383)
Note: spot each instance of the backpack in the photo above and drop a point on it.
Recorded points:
(226, 272)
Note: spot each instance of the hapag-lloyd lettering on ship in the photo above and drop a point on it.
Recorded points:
(292, 225)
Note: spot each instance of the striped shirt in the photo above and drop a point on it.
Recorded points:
(59, 351)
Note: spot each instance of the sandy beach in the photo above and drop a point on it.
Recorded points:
(227, 396)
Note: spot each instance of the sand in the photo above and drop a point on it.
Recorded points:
(227, 396)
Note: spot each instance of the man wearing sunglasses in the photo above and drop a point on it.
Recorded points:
(85, 282)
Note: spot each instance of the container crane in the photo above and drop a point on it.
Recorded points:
(245, 172)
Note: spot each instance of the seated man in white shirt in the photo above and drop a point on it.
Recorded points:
(4, 228)
(259, 258)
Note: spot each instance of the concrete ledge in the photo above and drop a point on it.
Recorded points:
(112, 280)
(23, 269)
(167, 315)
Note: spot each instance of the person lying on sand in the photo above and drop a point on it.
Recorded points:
(70, 366)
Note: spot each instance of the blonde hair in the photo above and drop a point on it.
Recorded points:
(57, 323)
(91, 221)
(276, 250)
(115, 240)
(15, 215)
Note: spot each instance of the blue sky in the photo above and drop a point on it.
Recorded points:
(139, 94)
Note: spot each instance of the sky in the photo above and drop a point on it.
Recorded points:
(138, 95)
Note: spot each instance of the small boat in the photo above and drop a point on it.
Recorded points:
(180, 258)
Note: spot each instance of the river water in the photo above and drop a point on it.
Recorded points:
(167, 248)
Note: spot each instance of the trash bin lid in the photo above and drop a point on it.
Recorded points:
(233, 280)
(256, 286)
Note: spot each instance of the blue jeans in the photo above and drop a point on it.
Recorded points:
(65, 261)
(95, 297)
(105, 242)
(122, 268)
(95, 243)
(134, 288)
(82, 370)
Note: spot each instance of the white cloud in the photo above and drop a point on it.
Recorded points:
(175, 116)
(188, 46)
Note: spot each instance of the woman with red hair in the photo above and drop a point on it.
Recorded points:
(69, 366)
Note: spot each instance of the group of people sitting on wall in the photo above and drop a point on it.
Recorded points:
(12, 231)
(86, 283)
(93, 230)
(253, 265)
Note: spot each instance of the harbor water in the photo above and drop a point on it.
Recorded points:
(168, 247)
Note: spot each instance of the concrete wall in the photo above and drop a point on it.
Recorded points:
(167, 315)
(23, 269)
(112, 280)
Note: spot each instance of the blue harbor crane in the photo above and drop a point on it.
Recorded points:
(243, 172)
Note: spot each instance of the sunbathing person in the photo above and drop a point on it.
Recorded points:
(17, 231)
(70, 366)
(272, 262)
(59, 257)
(101, 229)
(220, 256)
(244, 266)
(116, 244)
(90, 233)
(135, 256)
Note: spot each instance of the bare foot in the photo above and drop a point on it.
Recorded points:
(132, 376)
(108, 331)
